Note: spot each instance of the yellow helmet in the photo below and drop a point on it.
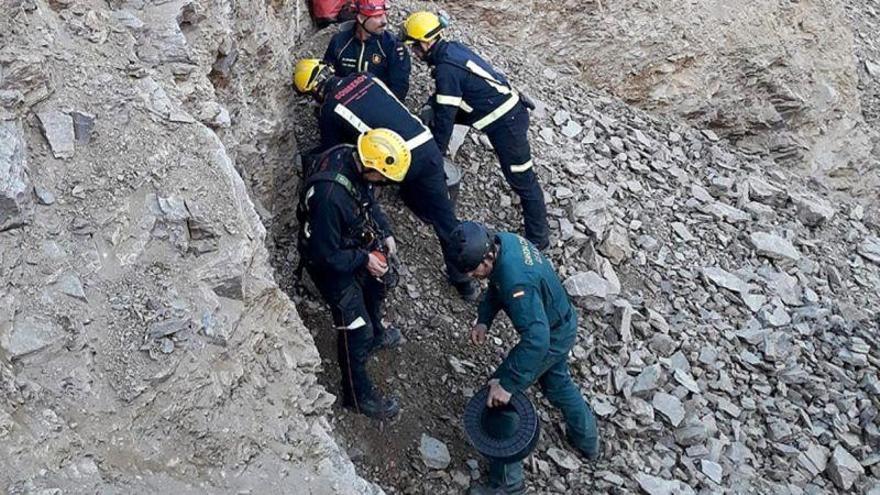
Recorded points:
(309, 72)
(385, 151)
(422, 26)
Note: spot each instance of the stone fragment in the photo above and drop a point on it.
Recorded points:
(434, 453)
(710, 135)
(70, 285)
(682, 231)
(83, 124)
(774, 247)
(873, 69)
(723, 278)
(561, 117)
(691, 434)
(870, 249)
(616, 245)
(844, 469)
(670, 407)
(623, 313)
(564, 459)
(765, 192)
(648, 380)
(712, 470)
(662, 344)
(588, 285)
(593, 213)
(29, 334)
(687, 381)
(16, 204)
(44, 196)
(58, 130)
(814, 459)
(653, 485)
(723, 211)
(571, 129)
(812, 211)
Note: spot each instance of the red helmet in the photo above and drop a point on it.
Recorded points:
(370, 8)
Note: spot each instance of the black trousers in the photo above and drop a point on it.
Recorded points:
(509, 136)
(356, 310)
(427, 196)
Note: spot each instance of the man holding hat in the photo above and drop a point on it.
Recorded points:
(523, 283)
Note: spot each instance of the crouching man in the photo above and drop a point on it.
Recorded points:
(523, 283)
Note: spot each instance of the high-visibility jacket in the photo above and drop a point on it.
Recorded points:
(468, 91)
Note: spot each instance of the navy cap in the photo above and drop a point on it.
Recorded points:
(470, 243)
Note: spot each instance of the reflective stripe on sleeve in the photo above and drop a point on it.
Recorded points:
(521, 168)
(351, 118)
(419, 140)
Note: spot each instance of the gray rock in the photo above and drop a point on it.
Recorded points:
(653, 485)
(844, 469)
(682, 231)
(16, 204)
(593, 213)
(588, 285)
(670, 407)
(870, 249)
(774, 247)
(29, 334)
(434, 453)
(70, 284)
(616, 245)
(648, 380)
(572, 129)
(623, 313)
(811, 210)
(723, 278)
(83, 124)
(873, 69)
(691, 434)
(44, 196)
(564, 459)
(814, 459)
(712, 470)
(662, 344)
(765, 192)
(687, 381)
(710, 135)
(561, 117)
(726, 212)
(58, 130)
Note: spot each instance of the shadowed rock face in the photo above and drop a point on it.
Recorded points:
(778, 79)
(144, 344)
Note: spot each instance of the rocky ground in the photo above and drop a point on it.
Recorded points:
(729, 311)
(144, 344)
(779, 79)
(729, 306)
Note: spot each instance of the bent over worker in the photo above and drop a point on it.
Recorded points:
(359, 102)
(368, 47)
(341, 236)
(522, 282)
(470, 92)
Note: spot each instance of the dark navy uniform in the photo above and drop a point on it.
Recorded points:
(470, 92)
(360, 102)
(340, 207)
(382, 55)
(524, 284)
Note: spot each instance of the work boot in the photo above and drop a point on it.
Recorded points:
(469, 290)
(375, 407)
(493, 489)
(594, 458)
(390, 339)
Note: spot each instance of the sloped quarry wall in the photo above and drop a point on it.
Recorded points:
(144, 345)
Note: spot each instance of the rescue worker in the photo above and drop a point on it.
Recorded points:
(469, 91)
(522, 282)
(342, 235)
(359, 102)
(367, 47)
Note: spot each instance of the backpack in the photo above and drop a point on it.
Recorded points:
(314, 170)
